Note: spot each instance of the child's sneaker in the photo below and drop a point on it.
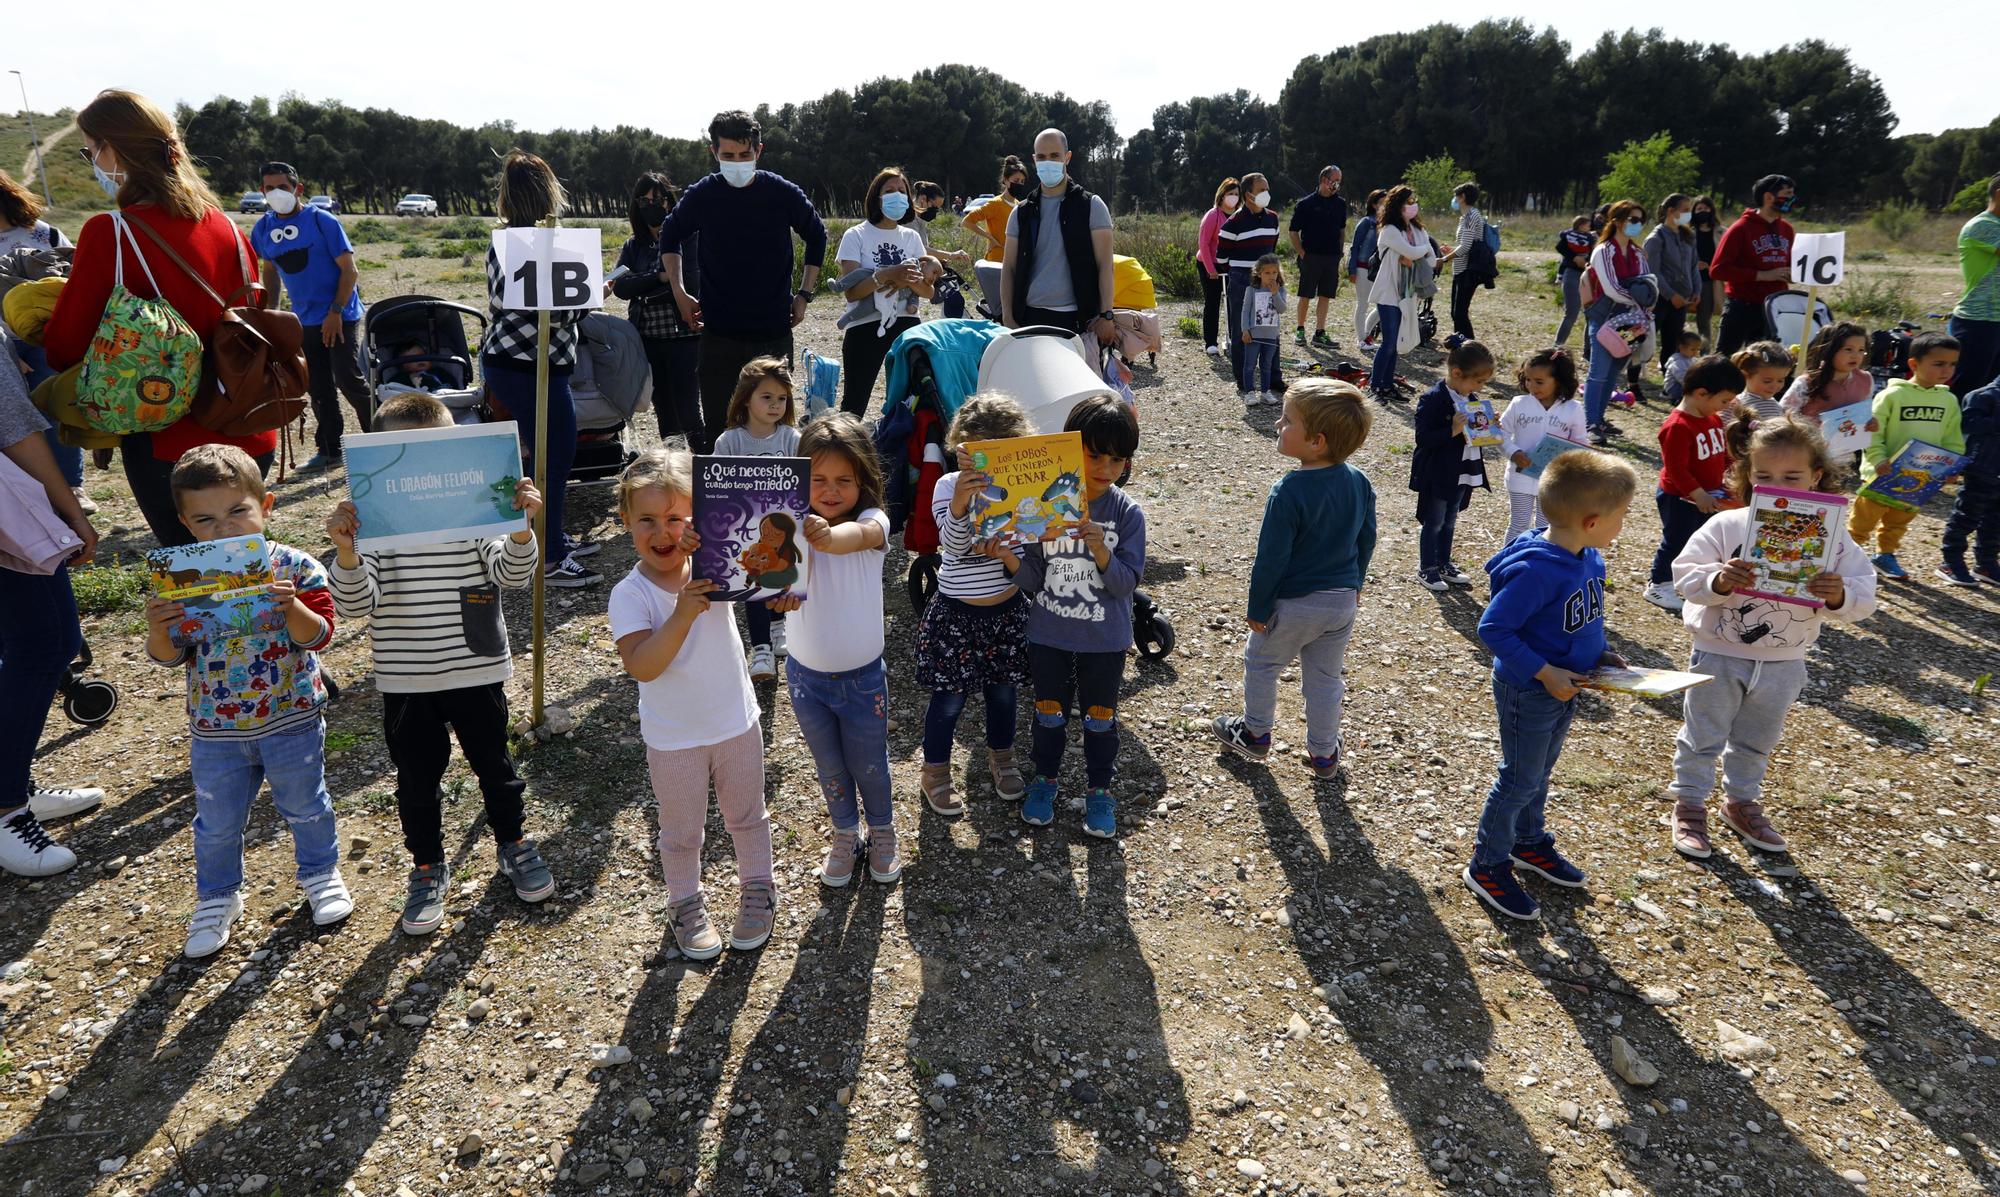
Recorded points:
(1690, 830)
(60, 802)
(1953, 570)
(885, 864)
(569, 574)
(1039, 806)
(1888, 566)
(423, 910)
(1432, 580)
(1006, 775)
(693, 933)
(328, 896)
(1236, 736)
(1250, 398)
(1987, 573)
(210, 928)
(778, 639)
(840, 857)
(1454, 575)
(26, 849)
(1497, 887)
(1664, 596)
(522, 865)
(935, 782)
(762, 666)
(1542, 859)
(1747, 820)
(1326, 768)
(756, 914)
(1100, 814)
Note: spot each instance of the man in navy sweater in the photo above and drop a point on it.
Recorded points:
(746, 218)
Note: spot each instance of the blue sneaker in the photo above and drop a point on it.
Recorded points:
(1100, 816)
(1497, 887)
(1542, 859)
(1039, 806)
(1887, 564)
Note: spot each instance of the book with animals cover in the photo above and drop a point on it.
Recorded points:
(223, 587)
(1846, 428)
(1547, 450)
(750, 513)
(1792, 534)
(1646, 683)
(1036, 488)
(1916, 474)
(1482, 427)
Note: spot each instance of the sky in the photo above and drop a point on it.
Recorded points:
(438, 60)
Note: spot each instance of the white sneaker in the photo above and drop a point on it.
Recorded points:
(84, 501)
(1215, 351)
(1273, 399)
(60, 802)
(1250, 399)
(210, 928)
(329, 897)
(27, 851)
(762, 665)
(778, 638)
(1663, 596)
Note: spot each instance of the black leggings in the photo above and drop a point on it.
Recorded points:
(1211, 304)
(151, 481)
(417, 729)
(677, 389)
(1461, 304)
(1093, 680)
(862, 351)
(1668, 324)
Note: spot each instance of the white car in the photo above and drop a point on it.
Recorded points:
(416, 205)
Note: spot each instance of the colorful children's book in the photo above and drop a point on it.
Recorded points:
(1482, 427)
(750, 513)
(1792, 541)
(1547, 450)
(1846, 428)
(1916, 474)
(1646, 683)
(223, 587)
(425, 486)
(1036, 491)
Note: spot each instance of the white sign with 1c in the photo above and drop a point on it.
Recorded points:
(550, 269)
(1819, 259)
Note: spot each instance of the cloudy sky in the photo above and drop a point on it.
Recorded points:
(469, 63)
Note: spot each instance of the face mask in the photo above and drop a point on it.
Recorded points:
(1410, 211)
(895, 205)
(1050, 173)
(1229, 203)
(1454, 203)
(738, 174)
(1634, 227)
(1263, 199)
(652, 214)
(1785, 205)
(110, 182)
(1019, 191)
(928, 214)
(1684, 218)
(282, 201)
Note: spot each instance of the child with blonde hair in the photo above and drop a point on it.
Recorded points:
(1766, 369)
(762, 421)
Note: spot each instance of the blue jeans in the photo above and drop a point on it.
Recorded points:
(227, 774)
(1679, 520)
(941, 720)
(1532, 727)
(1978, 353)
(68, 459)
(1312, 630)
(514, 386)
(1437, 524)
(1234, 284)
(1260, 366)
(845, 720)
(1604, 368)
(1382, 375)
(39, 637)
(760, 617)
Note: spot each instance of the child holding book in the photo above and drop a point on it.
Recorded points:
(840, 693)
(1918, 408)
(1263, 317)
(1305, 583)
(697, 711)
(1766, 368)
(974, 634)
(442, 664)
(1977, 512)
(1687, 348)
(254, 705)
(1545, 625)
(1834, 375)
(1445, 467)
(1693, 459)
(762, 421)
(1547, 407)
(1754, 648)
(1080, 623)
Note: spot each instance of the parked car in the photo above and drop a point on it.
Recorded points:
(253, 201)
(327, 202)
(416, 205)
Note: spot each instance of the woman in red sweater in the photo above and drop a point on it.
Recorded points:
(138, 158)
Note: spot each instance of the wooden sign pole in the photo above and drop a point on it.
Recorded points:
(541, 487)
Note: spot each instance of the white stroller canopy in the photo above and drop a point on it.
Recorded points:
(1047, 370)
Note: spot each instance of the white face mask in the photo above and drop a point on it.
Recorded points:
(738, 174)
(1263, 199)
(283, 201)
(1229, 203)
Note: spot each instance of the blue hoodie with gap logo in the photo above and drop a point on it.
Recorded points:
(1547, 609)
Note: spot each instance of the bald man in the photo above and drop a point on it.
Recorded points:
(1057, 266)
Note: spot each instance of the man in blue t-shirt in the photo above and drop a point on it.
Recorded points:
(309, 248)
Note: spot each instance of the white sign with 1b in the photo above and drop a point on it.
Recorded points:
(550, 269)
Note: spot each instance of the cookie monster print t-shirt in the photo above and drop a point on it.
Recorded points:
(307, 246)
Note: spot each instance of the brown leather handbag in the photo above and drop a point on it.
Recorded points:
(254, 376)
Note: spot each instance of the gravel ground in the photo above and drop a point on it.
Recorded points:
(1266, 984)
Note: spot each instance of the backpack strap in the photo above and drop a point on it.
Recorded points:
(181, 262)
(120, 232)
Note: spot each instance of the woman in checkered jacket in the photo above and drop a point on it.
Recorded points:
(672, 347)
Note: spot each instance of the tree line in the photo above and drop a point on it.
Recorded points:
(1504, 100)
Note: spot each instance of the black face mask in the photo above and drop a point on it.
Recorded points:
(1019, 191)
(652, 214)
(928, 214)
(1704, 220)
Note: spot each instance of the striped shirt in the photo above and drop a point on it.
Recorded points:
(511, 334)
(1245, 237)
(435, 618)
(964, 575)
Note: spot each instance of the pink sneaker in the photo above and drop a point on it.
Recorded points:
(1747, 819)
(884, 863)
(1690, 830)
(841, 856)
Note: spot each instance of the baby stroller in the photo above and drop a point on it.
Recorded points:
(438, 325)
(1889, 352)
(86, 702)
(932, 369)
(1784, 318)
(612, 382)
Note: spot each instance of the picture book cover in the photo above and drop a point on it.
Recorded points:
(1646, 683)
(1547, 450)
(221, 585)
(1792, 542)
(750, 513)
(1036, 488)
(1482, 427)
(433, 485)
(1846, 428)
(1916, 474)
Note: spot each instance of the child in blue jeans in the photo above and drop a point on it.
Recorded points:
(254, 703)
(1445, 467)
(1305, 585)
(1545, 625)
(1263, 316)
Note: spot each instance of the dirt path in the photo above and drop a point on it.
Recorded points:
(48, 146)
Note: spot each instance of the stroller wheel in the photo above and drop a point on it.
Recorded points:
(1153, 636)
(90, 703)
(922, 582)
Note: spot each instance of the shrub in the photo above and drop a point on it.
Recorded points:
(1648, 171)
(1434, 179)
(412, 250)
(1189, 326)
(1971, 199)
(370, 230)
(1174, 272)
(109, 589)
(1875, 297)
(463, 227)
(1896, 220)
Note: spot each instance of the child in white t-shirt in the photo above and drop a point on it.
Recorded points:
(697, 712)
(1548, 408)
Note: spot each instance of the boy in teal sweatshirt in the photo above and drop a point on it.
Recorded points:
(1918, 408)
